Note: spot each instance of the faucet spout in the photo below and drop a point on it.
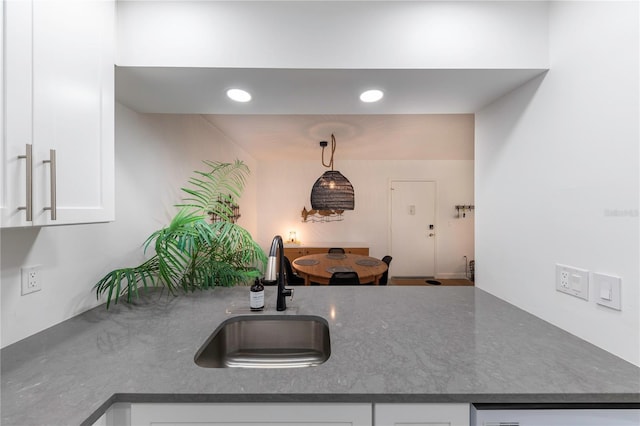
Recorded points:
(276, 259)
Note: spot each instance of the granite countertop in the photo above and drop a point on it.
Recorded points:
(389, 344)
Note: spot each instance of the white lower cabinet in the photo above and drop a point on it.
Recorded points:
(119, 414)
(291, 414)
(446, 414)
(251, 414)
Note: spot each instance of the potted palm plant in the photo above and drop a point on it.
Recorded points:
(194, 252)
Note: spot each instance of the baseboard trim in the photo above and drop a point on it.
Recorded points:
(444, 276)
(412, 277)
(451, 276)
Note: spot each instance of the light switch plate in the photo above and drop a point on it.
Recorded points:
(573, 281)
(608, 290)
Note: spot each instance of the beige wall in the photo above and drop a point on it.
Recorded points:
(285, 187)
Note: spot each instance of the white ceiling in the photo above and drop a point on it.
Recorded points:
(358, 137)
(293, 109)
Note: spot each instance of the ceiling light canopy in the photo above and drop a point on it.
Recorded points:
(373, 95)
(332, 191)
(239, 95)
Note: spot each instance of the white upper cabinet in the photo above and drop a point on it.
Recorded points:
(58, 104)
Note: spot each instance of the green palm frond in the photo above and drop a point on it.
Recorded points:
(191, 253)
(211, 189)
(111, 283)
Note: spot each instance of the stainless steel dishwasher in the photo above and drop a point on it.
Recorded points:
(556, 415)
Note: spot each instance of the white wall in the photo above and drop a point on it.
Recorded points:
(155, 156)
(285, 187)
(321, 34)
(555, 160)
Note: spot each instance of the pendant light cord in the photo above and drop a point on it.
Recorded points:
(333, 149)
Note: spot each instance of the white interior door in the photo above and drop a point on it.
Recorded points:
(413, 228)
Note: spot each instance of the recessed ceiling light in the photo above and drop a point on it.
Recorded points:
(239, 95)
(373, 95)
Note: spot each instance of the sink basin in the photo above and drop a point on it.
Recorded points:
(267, 341)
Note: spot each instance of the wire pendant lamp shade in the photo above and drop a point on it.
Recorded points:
(332, 191)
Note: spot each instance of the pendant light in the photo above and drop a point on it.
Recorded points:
(332, 191)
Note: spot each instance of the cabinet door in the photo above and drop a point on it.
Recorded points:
(58, 90)
(364, 251)
(119, 414)
(73, 110)
(252, 414)
(17, 105)
(422, 414)
(293, 253)
(315, 250)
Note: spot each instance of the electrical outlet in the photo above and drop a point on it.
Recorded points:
(564, 279)
(30, 279)
(573, 281)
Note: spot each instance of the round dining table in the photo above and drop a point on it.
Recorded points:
(318, 268)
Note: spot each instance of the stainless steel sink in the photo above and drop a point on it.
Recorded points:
(267, 341)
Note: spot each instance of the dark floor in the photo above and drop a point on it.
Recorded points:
(422, 281)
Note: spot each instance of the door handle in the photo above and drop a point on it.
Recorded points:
(52, 179)
(431, 234)
(29, 181)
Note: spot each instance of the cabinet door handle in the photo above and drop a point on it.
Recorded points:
(52, 179)
(29, 182)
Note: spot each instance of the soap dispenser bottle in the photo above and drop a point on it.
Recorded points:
(256, 296)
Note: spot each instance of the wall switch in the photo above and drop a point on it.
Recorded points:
(31, 279)
(573, 281)
(608, 289)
